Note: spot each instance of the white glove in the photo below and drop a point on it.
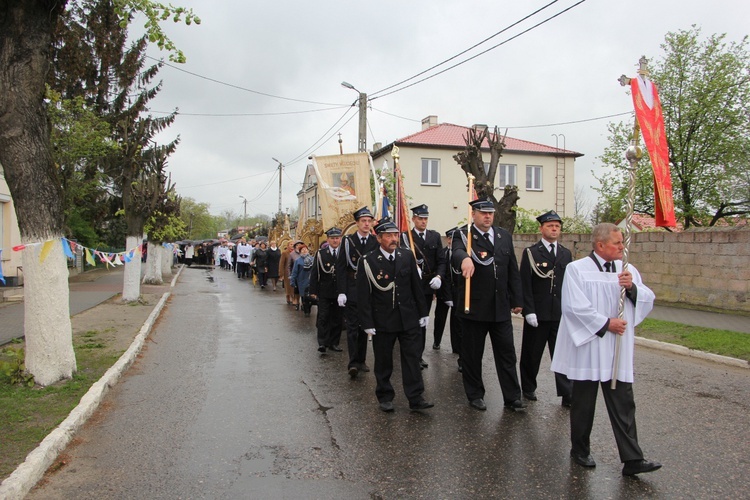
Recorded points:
(531, 319)
(370, 331)
(449, 303)
(342, 299)
(435, 283)
(424, 321)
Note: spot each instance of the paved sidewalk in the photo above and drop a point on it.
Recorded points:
(86, 291)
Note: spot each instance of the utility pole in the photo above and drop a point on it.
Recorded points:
(362, 117)
(244, 219)
(281, 171)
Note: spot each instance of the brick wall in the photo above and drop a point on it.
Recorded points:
(703, 268)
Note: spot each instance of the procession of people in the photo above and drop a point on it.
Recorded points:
(377, 284)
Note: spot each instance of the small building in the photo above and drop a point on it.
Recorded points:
(545, 175)
(10, 236)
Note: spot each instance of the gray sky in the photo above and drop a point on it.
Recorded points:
(563, 71)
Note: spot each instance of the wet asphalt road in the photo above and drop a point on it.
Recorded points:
(230, 399)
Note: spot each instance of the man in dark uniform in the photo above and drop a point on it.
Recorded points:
(323, 287)
(446, 300)
(542, 270)
(430, 258)
(391, 307)
(495, 293)
(353, 247)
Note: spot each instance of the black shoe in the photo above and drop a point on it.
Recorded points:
(567, 401)
(364, 368)
(531, 396)
(633, 467)
(423, 364)
(420, 405)
(460, 365)
(516, 405)
(296, 306)
(436, 346)
(584, 461)
(386, 406)
(335, 348)
(321, 348)
(479, 404)
(353, 372)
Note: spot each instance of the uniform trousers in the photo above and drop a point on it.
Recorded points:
(423, 330)
(535, 339)
(621, 409)
(411, 373)
(442, 313)
(441, 318)
(356, 338)
(328, 322)
(473, 338)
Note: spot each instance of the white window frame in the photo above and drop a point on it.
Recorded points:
(534, 178)
(430, 172)
(503, 170)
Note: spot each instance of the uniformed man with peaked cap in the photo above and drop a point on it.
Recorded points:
(323, 287)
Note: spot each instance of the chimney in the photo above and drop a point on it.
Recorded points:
(377, 146)
(430, 121)
(479, 127)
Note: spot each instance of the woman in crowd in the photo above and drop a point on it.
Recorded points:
(284, 271)
(301, 277)
(274, 256)
(260, 257)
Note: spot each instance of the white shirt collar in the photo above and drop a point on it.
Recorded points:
(386, 254)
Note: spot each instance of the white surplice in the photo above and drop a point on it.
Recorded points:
(589, 298)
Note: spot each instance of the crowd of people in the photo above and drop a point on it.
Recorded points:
(379, 284)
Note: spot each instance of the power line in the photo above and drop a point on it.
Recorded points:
(569, 122)
(224, 182)
(483, 52)
(251, 114)
(244, 89)
(313, 148)
(467, 50)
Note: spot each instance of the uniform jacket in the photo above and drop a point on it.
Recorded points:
(347, 263)
(541, 296)
(495, 287)
(429, 256)
(394, 310)
(323, 277)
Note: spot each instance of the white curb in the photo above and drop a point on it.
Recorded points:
(684, 351)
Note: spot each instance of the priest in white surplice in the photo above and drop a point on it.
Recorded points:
(586, 343)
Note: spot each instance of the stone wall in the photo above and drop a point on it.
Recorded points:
(705, 269)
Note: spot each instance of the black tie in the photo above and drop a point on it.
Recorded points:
(421, 235)
(364, 241)
(487, 237)
(552, 250)
(333, 252)
(609, 267)
(390, 257)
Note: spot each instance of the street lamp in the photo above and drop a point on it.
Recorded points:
(244, 219)
(362, 116)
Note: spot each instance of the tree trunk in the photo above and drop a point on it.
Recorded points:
(131, 279)
(153, 264)
(26, 29)
(166, 263)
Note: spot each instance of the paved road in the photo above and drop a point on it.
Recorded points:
(232, 400)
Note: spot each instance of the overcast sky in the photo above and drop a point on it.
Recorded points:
(565, 70)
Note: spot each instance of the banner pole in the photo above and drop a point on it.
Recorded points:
(467, 293)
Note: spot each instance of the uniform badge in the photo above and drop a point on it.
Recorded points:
(386, 276)
(483, 255)
(544, 264)
(328, 264)
(474, 236)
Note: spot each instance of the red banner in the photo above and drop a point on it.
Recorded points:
(651, 120)
(400, 216)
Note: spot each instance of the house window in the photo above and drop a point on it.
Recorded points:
(533, 178)
(506, 175)
(430, 172)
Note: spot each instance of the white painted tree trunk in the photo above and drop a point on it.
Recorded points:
(49, 335)
(166, 263)
(153, 265)
(131, 279)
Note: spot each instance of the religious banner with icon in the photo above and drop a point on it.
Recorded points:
(343, 184)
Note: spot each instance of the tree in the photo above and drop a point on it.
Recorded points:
(470, 160)
(26, 38)
(704, 87)
(199, 223)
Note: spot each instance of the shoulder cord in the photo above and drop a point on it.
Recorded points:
(322, 268)
(371, 279)
(550, 275)
(348, 260)
(474, 255)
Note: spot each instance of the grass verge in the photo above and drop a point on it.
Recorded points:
(724, 342)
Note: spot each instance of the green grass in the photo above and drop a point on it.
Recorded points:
(724, 342)
(28, 414)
